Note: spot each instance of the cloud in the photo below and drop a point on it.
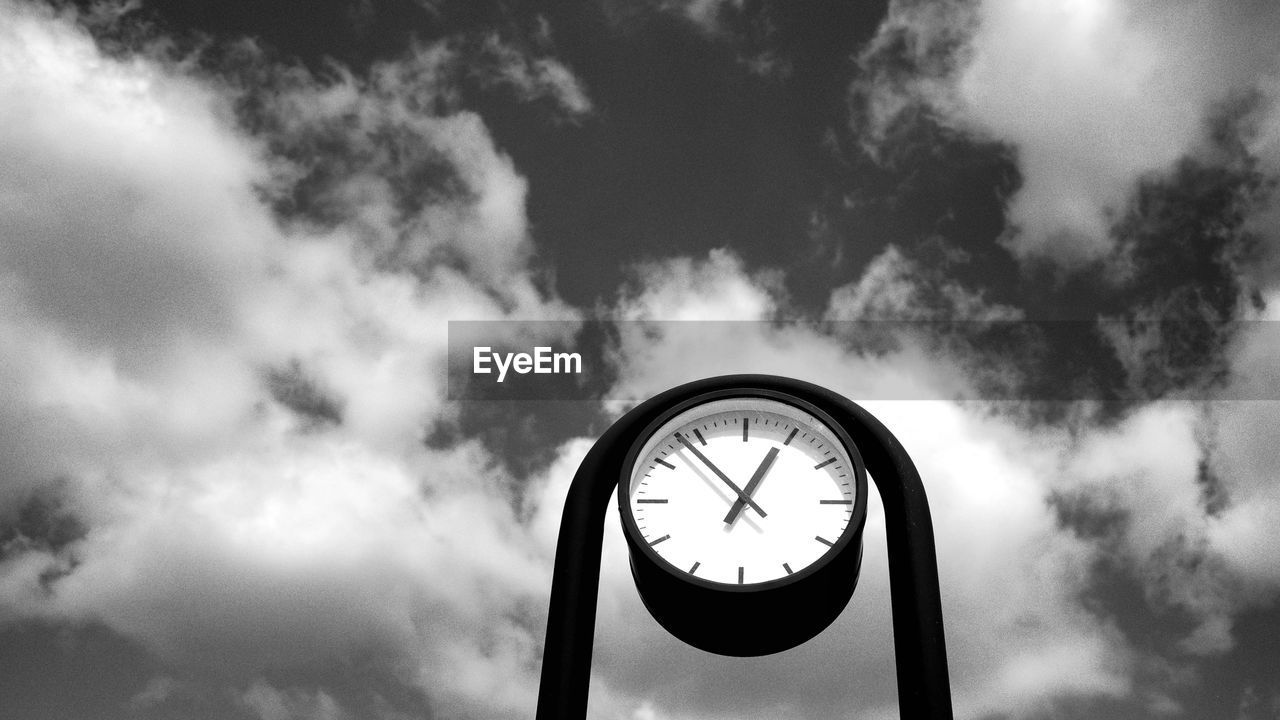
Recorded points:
(714, 303)
(685, 289)
(536, 76)
(703, 13)
(1093, 96)
(268, 703)
(221, 352)
(896, 289)
(1244, 459)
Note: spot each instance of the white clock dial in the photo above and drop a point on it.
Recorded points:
(742, 491)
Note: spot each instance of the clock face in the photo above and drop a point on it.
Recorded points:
(742, 490)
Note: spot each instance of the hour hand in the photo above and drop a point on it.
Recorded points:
(751, 485)
(742, 496)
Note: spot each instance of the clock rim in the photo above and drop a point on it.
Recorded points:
(852, 531)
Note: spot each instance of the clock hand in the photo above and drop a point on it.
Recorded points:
(705, 461)
(751, 485)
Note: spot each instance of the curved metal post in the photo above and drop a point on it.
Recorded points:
(919, 645)
(575, 579)
(575, 585)
(924, 688)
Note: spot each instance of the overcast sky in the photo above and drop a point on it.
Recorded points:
(233, 485)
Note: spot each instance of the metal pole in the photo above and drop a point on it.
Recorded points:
(924, 687)
(575, 584)
(575, 579)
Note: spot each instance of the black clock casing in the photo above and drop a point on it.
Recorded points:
(754, 619)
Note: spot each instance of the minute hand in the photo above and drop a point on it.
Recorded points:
(705, 461)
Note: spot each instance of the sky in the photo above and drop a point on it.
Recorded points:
(234, 485)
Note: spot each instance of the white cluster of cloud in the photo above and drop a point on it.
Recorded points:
(1093, 95)
(268, 703)
(149, 296)
(703, 13)
(891, 289)
(534, 77)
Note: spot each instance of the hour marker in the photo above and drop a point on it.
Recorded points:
(666, 464)
(791, 436)
(819, 538)
(744, 429)
(663, 501)
(664, 537)
(739, 574)
(820, 502)
(700, 438)
(787, 568)
(694, 569)
(824, 463)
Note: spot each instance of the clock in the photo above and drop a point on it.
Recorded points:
(743, 511)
